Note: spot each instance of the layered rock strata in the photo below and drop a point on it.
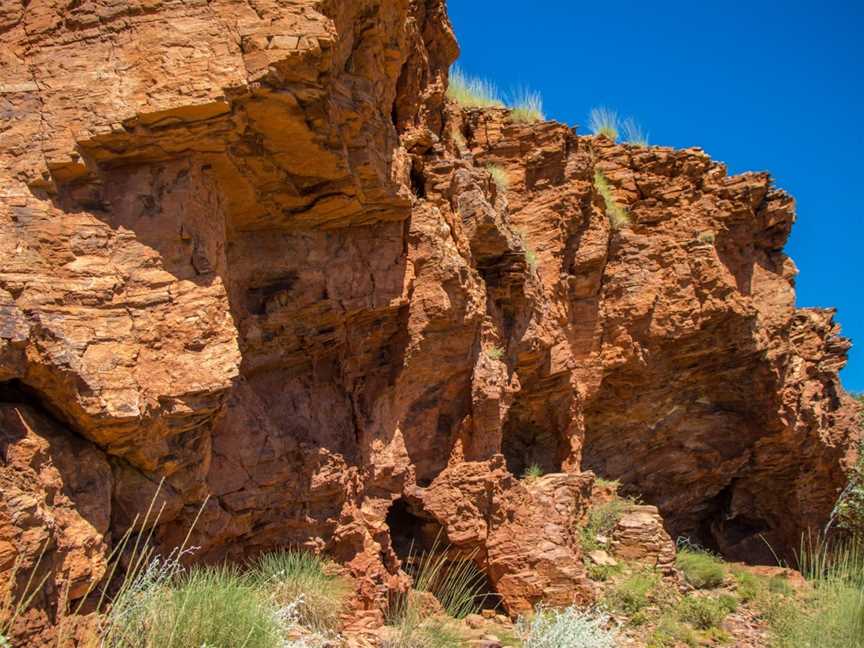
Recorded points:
(248, 248)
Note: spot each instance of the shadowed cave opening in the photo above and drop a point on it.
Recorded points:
(413, 537)
(525, 445)
(17, 392)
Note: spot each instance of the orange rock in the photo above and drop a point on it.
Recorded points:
(251, 249)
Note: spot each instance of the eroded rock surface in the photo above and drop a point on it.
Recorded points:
(248, 247)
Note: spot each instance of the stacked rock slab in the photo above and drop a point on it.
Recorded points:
(248, 248)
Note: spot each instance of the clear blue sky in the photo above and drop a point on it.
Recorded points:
(776, 86)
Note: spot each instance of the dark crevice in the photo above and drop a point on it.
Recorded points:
(410, 534)
(525, 444)
(17, 392)
(414, 536)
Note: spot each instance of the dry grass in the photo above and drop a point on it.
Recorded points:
(617, 215)
(527, 106)
(633, 133)
(309, 583)
(605, 122)
(458, 586)
(472, 92)
(499, 176)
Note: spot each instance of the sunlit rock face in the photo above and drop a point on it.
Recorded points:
(248, 250)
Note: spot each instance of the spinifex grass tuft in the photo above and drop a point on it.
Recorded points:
(472, 92)
(213, 606)
(700, 568)
(499, 176)
(458, 586)
(527, 106)
(534, 471)
(603, 121)
(617, 215)
(633, 133)
(832, 615)
(309, 583)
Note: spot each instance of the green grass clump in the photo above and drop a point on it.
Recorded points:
(633, 133)
(832, 614)
(701, 569)
(307, 582)
(632, 594)
(499, 176)
(603, 121)
(617, 215)
(670, 632)
(531, 258)
(429, 633)
(495, 353)
(780, 585)
(602, 482)
(748, 586)
(458, 586)
(704, 612)
(601, 521)
(602, 573)
(527, 106)
(206, 607)
(472, 92)
(534, 471)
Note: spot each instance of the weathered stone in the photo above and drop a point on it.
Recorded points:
(249, 248)
(639, 536)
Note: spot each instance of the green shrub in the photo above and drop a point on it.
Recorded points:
(531, 258)
(499, 176)
(603, 121)
(206, 607)
(532, 472)
(472, 92)
(706, 237)
(527, 106)
(633, 133)
(495, 353)
(568, 628)
(780, 585)
(703, 612)
(617, 215)
(670, 632)
(701, 569)
(632, 594)
(602, 573)
(601, 520)
(307, 582)
(602, 482)
(747, 585)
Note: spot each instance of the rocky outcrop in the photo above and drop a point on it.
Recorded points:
(248, 247)
(639, 536)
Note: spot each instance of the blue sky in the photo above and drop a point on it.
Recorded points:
(775, 86)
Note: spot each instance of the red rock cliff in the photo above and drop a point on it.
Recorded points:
(249, 248)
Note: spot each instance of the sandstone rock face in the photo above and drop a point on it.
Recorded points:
(249, 248)
(639, 536)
